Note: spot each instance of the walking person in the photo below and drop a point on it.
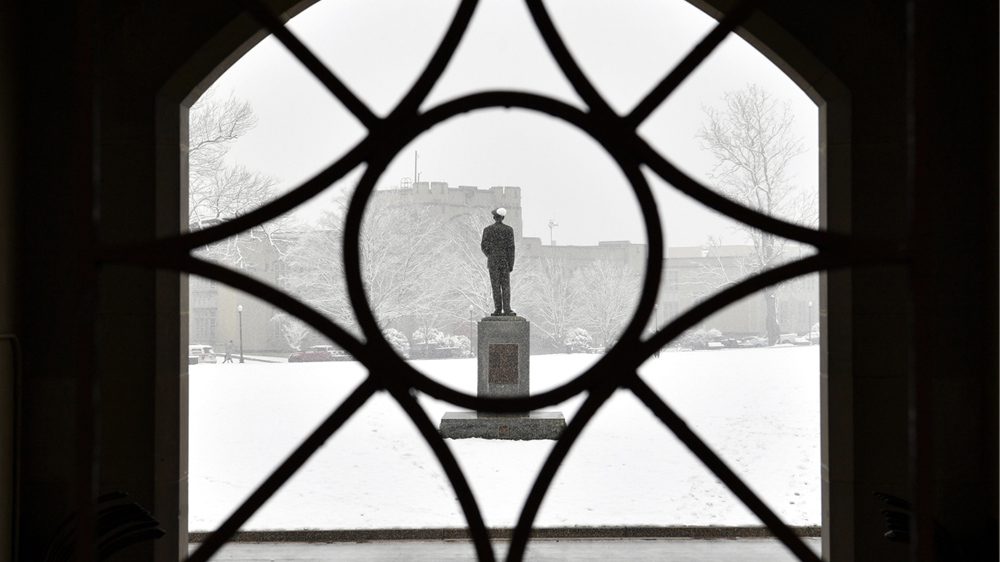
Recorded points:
(229, 352)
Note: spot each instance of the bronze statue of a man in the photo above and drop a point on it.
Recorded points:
(498, 245)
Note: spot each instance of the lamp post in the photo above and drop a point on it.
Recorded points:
(810, 322)
(239, 311)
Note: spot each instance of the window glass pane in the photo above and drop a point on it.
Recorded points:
(746, 377)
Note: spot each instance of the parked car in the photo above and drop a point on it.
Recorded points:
(200, 353)
(814, 333)
(793, 339)
(434, 351)
(319, 353)
(753, 341)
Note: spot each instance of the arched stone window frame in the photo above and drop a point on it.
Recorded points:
(222, 36)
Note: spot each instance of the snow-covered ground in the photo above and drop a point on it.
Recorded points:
(759, 409)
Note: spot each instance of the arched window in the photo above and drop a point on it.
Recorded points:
(616, 131)
(98, 162)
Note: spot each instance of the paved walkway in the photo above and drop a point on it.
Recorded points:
(539, 550)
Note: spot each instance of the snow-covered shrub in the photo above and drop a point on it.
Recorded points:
(430, 336)
(463, 343)
(397, 340)
(578, 340)
(698, 339)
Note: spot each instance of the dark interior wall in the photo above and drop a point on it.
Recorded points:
(955, 285)
(76, 320)
(867, 308)
(152, 54)
(7, 377)
(921, 347)
(850, 58)
(922, 163)
(50, 202)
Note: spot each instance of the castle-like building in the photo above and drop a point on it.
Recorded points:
(689, 274)
(451, 202)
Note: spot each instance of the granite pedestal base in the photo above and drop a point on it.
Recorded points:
(481, 425)
(502, 346)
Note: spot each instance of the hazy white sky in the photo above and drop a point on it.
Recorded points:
(378, 48)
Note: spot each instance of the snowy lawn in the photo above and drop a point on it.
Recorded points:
(759, 409)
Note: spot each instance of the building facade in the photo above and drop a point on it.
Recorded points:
(688, 275)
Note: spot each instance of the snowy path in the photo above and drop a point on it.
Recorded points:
(758, 407)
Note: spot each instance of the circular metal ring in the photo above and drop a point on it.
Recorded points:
(388, 141)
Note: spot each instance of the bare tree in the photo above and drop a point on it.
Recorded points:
(468, 278)
(753, 144)
(401, 254)
(555, 303)
(293, 330)
(315, 273)
(610, 291)
(716, 269)
(218, 189)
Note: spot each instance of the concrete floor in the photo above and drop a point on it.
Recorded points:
(541, 550)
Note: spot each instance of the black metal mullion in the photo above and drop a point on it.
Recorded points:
(718, 467)
(584, 88)
(753, 284)
(695, 57)
(730, 295)
(382, 154)
(410, 103)
(598, 396)
(467, 501)
(693, 188)
(438, 114)
(387, 370)
(189, 264)
(286, 470)
(355, 213)
(187, 241)
(263, 14)
(274, 296)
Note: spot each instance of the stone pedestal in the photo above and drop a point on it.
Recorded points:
(502, 356)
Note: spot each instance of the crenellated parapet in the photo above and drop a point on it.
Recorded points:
(460, 200)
